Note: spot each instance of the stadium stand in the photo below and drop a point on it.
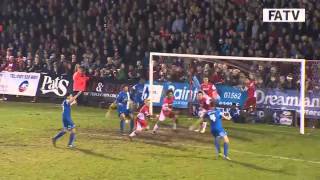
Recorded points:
(111, 39)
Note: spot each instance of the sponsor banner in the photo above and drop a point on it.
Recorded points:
(54, 86)
(277, 116)
(104, 90)
(229, 95)
(183, 94)
(284, 117)
(19, 83)
(289, 100)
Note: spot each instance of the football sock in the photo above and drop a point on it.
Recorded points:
(155, 127)
(217, 144)
(131, 125)
(59, 135)
(204, 125)
(122, 125)
(72, 138)
(225, 149)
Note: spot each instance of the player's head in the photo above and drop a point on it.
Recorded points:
(213, 103)
(200, 95)
(251, 76)
(247, 81)
(169, 93)
(142, 81)
(234, 105)
(81, 69)
(125, 88)
(205, 79)
(68, 96)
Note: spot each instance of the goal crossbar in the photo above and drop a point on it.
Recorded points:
(196, 56)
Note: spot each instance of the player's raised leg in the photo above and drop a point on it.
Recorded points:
(58, 136)
(161, 117)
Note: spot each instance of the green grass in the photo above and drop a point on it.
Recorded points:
(257, 151)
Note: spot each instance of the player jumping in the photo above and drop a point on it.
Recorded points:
(167, 111)
(251, 90)
(139, 93)
(203, 105)
(141, 120)
(68, 124)
(215, 116)
(123, 106)
(209, 89)
(210, 92)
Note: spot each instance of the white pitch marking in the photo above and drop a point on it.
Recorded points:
(232, 150)
(206, 147)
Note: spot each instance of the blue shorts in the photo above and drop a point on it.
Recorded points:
(68, 123)
(218, 133)
(123, 110)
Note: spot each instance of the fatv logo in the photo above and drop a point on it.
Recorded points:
(57, 86)
(284, 15)
(23, 86)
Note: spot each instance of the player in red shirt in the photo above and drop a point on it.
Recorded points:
(209, 89)
(141, 120)
(203, 105)
(251, 91)
(167, 111)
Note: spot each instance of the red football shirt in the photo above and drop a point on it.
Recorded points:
(251, 89)
(166, 102)
(204, 103)
(208, 88)
(144, 111)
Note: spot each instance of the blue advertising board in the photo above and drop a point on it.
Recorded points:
(184, 94)
(266, 98)
(289, 100)
(229, 95)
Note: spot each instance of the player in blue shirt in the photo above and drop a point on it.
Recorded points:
(217, 130)
(123, 101)
(138, 93)
(68, 124)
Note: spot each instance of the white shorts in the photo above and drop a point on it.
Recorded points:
(168, 114)
(202, 113)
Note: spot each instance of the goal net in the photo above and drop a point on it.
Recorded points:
(276, 85)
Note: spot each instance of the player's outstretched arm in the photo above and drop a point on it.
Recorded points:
(226, 116)
(72, 99)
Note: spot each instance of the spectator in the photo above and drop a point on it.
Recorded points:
(122, 73)
(98, 33)
(10, 65)
(37, 66)
(177, 25)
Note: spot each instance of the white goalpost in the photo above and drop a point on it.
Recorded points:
(302, 63)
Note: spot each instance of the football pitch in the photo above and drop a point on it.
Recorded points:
(257, 151)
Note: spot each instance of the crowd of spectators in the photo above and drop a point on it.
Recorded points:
(112, 39)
